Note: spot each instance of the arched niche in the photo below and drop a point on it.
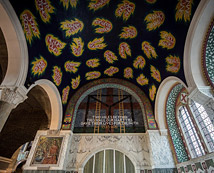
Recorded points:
(194, 44)
(17, 65)
(161, 99)
(54, 99)
(138, 94)
(24, 121)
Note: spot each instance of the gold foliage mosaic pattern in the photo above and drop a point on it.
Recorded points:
(88, 40)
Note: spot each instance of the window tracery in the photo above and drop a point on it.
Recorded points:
(204, 122)
(190, 133)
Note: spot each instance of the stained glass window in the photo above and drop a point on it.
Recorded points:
(109, 110)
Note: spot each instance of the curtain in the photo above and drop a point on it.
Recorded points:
(119, 162)
(99, 162)
(129, 165)
(89, 166)
(109, 161)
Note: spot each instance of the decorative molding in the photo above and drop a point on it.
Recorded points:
(13, 95)
(199, 159)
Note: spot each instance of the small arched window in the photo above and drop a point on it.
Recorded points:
(190, 134)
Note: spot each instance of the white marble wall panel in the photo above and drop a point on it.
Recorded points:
(161, 151)
(83, 146)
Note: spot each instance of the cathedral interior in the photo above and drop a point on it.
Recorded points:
(107, 86)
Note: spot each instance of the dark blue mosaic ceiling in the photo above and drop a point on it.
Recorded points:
(73, 42)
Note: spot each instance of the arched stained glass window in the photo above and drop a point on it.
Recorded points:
(204, 122)
(109, 161)
(109, 110)
(190, 134)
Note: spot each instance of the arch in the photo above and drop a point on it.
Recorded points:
(161, 99)
(194, 44)
(130, 88)
(3, 57)
(16, 46)
(55, 101)
(85, 159)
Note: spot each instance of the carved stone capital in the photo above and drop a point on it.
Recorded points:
(12, 95)
(201, 95)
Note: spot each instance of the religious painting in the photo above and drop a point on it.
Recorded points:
(47, 150)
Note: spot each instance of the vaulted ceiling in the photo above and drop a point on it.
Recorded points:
(73, 42)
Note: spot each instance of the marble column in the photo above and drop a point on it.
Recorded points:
(10, 97)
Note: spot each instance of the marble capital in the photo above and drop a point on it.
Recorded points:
(13, 95)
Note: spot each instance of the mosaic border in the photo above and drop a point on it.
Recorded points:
(204, 66)
(182, 155)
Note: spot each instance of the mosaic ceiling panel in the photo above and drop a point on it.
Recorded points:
(72, 42)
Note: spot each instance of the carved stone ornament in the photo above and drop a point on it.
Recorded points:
(12, 95)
